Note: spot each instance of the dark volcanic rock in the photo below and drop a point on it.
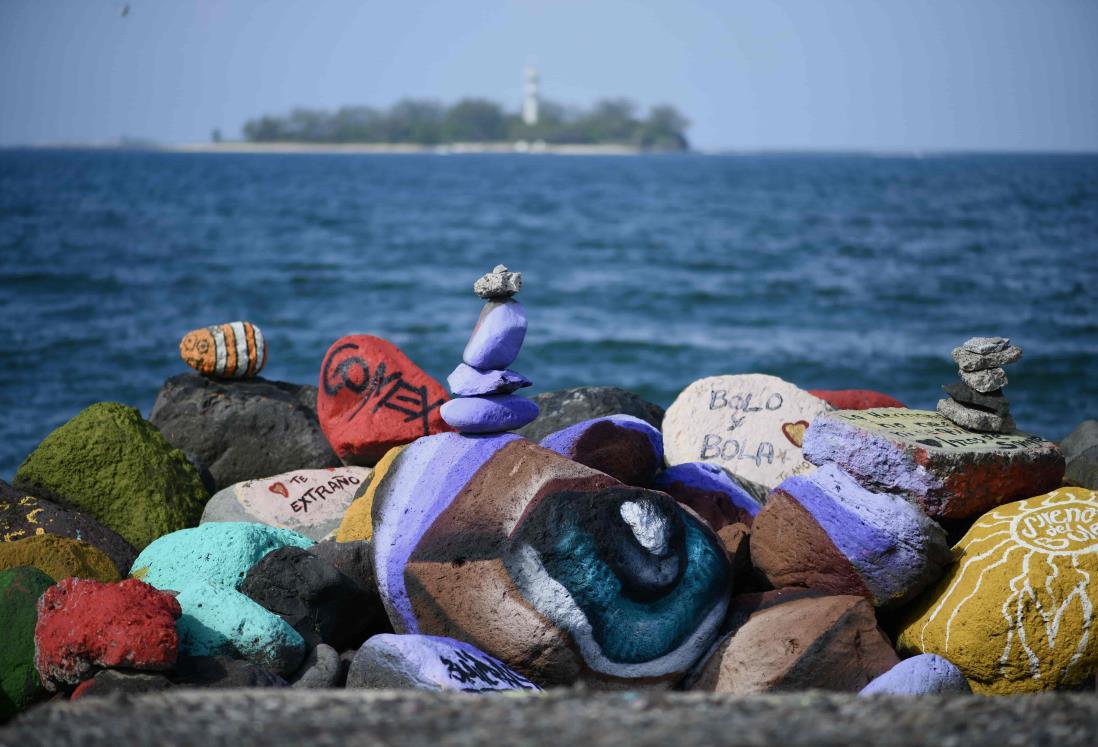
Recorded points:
(110, 681)
(1081, 452)
(309, 593)
(352, 559)
(570, 406)
(23, 515)
(322, 668)
(223, 672)
(244, 429)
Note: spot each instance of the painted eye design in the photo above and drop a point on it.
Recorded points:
(626, 572)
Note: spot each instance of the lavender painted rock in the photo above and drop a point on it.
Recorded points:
(427, 662)
(622, 446)
(826, 532)
(494, 413)
(466, 381)
(925, 674)
(952, 473)
(710, 492)
(557, 570)
(310, 502)
(497, 336)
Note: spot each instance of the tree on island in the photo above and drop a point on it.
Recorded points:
(473, 120)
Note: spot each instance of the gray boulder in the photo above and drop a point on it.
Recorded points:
(567, 407)
(1081, 452)
(243, 429)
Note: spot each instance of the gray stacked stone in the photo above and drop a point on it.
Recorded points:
(976, 402)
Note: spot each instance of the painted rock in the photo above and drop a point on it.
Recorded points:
(426, 662)
(84, 625)
(710, 492)
(58, 558)
(622, 446)
(466, 381)
(855, 399)
(115, 466)
(235, 350)
(372, 398)
(951, 472)
(1015, 611)
(826, 532)
(494, 413)
(566, 407)
(752, 425)
(357, 523)
(20, 589)
(925, 674)
(320, 603)
(219, 621)
(497, 336)
(23, 516)
(321, 669)
(310, 502)
(499, 283)
(786, 642)
(557, 570)
(245, 429)
(221, 553)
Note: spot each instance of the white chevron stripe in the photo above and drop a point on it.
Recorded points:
(241, 349)
(219, 348)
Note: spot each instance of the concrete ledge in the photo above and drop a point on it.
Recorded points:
(207, 718)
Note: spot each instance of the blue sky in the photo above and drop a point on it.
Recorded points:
(817, 74)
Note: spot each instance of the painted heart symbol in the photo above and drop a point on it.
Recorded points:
(280, 489)
(795, 432)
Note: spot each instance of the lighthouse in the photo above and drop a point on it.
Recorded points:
(530, 101)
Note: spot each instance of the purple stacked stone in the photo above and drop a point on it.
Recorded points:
(482, 384)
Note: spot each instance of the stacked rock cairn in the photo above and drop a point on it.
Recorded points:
(482, 384)
(976, 402)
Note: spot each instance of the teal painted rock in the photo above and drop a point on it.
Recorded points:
(207, 565)
(20, 589)
(220, 553)
(220, 621)
(115, 466)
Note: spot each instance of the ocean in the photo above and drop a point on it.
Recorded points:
(646, 272)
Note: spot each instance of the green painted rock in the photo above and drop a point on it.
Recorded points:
(58, 558)
(19, 592)
(220, 553)
(114, 465)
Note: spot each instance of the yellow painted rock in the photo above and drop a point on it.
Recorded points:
(229, 351)
(58, 558)
(1016, 613)
(357, 521)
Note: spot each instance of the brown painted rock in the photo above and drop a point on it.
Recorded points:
(753, 425)
(372, 397)
(826, 532)
(622, 446)
(557, 570)
(1016, 613)
(950, 472)
(787, 641)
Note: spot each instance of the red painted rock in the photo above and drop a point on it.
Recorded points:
(952, 473)
(855, 399)
(84, 625)
(373, 397)
(796, 640)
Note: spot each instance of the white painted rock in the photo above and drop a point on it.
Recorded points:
(751, 424)
(310, 502)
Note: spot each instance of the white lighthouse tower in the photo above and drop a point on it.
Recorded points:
(530, 101)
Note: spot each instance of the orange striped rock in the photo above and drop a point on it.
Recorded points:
(235, 350)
